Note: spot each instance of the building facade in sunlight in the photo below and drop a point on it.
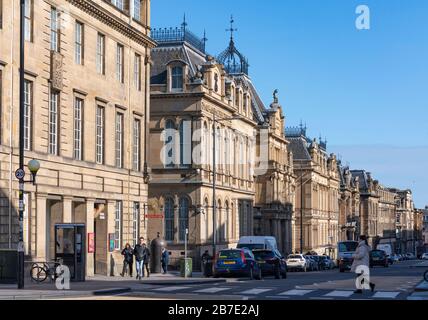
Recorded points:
(317, 194)
(86, 109)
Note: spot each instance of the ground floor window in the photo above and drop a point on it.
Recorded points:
(118, 225)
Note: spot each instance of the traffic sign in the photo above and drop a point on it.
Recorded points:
(20, 174)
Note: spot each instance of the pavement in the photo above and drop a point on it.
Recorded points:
(98, 286)
(402, 281)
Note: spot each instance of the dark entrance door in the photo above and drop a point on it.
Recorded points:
(70, 247)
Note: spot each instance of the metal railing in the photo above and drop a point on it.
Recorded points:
(163, 35)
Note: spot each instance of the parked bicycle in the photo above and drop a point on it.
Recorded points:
(40, 271)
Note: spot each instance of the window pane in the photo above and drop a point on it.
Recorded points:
(100, 54)
(177, 78)
(78, 43)
(183, 218)
(169, 219)
(100, 135)
(28, 96)
(53, 122)
(78, 104)
(119, 140)
(54, 30)
(136, 145)
(118, 226)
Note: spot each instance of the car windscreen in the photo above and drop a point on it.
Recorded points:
(253, 246)
(230, 254)
(263, 255)
(348, 246)
(294, 257)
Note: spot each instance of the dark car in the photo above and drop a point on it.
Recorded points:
(237, 262)
(271, 262)
(326, 263)
(318, 262)
(378, 258)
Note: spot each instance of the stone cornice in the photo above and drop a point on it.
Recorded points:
(109, 19)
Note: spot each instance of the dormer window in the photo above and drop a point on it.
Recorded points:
(177, 78)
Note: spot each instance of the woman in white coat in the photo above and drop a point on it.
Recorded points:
(362, 259)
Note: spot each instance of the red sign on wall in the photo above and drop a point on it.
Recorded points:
(154, 216)
(91, 242)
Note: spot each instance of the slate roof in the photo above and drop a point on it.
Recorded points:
(363, 178)
(299, 147)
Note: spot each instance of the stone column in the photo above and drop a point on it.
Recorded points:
(41, 228)
(67, 214)
(90, 204)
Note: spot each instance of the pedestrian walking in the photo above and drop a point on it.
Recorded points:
(139, 252)
(206, 263)
(362, 258)
(128, 260)
(146, 260)
(165, 260)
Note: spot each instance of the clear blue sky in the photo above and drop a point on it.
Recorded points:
(366, 91)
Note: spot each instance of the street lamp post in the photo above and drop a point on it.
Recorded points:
(21, 148)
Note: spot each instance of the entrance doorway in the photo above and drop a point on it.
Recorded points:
(70, 247)
(101, 249)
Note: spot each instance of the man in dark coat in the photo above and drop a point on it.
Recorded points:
(139, 253)
(165, 260)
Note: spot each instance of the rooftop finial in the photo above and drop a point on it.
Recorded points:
(184, 24)
(204, 39)
(231, 30)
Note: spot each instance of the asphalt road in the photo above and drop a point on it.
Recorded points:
(394, 283)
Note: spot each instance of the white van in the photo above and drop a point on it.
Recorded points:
(258, 243)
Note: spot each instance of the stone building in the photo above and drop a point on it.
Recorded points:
(425, 228)
(86, 106)
(191, 95)
(369, 204)
(275, 189)
(386, 219)
(349, 205)
(318, 177)
(405, 234)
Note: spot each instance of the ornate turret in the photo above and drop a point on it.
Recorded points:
(233, 61)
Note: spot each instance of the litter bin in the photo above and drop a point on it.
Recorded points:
(186, 266)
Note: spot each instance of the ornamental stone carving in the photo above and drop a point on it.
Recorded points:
(56, 71)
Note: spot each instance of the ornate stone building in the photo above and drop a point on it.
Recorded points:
(317, 194)
(369, 204)
(193, 94)
(349, 205)
(386, 219)
(86, 106)
(405, 221)
(275, 189)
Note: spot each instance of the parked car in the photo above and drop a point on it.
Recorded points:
(345, 251)
(424, 256)
(271, 262)
(410, 256)
(318, 263)
(297, 262)
(312, 264)
(396, 258)
(378, 258)
(326, 263)
(238, 262)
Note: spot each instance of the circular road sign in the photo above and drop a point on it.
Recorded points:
(20, 174)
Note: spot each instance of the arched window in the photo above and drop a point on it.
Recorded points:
(217, 147)
(169, 219)
(219, 227)
(183, 221)
(169, 144)
(206, 146)
(226, 221)
(226, 152)
(185, 143)
(177, 78)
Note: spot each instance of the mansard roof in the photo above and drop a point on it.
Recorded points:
(299, 147)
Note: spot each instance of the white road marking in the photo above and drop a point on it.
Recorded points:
(166, 289)
(386, 295)
(255, 291)
(339, 294)
(296, 292)
(212, 290)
